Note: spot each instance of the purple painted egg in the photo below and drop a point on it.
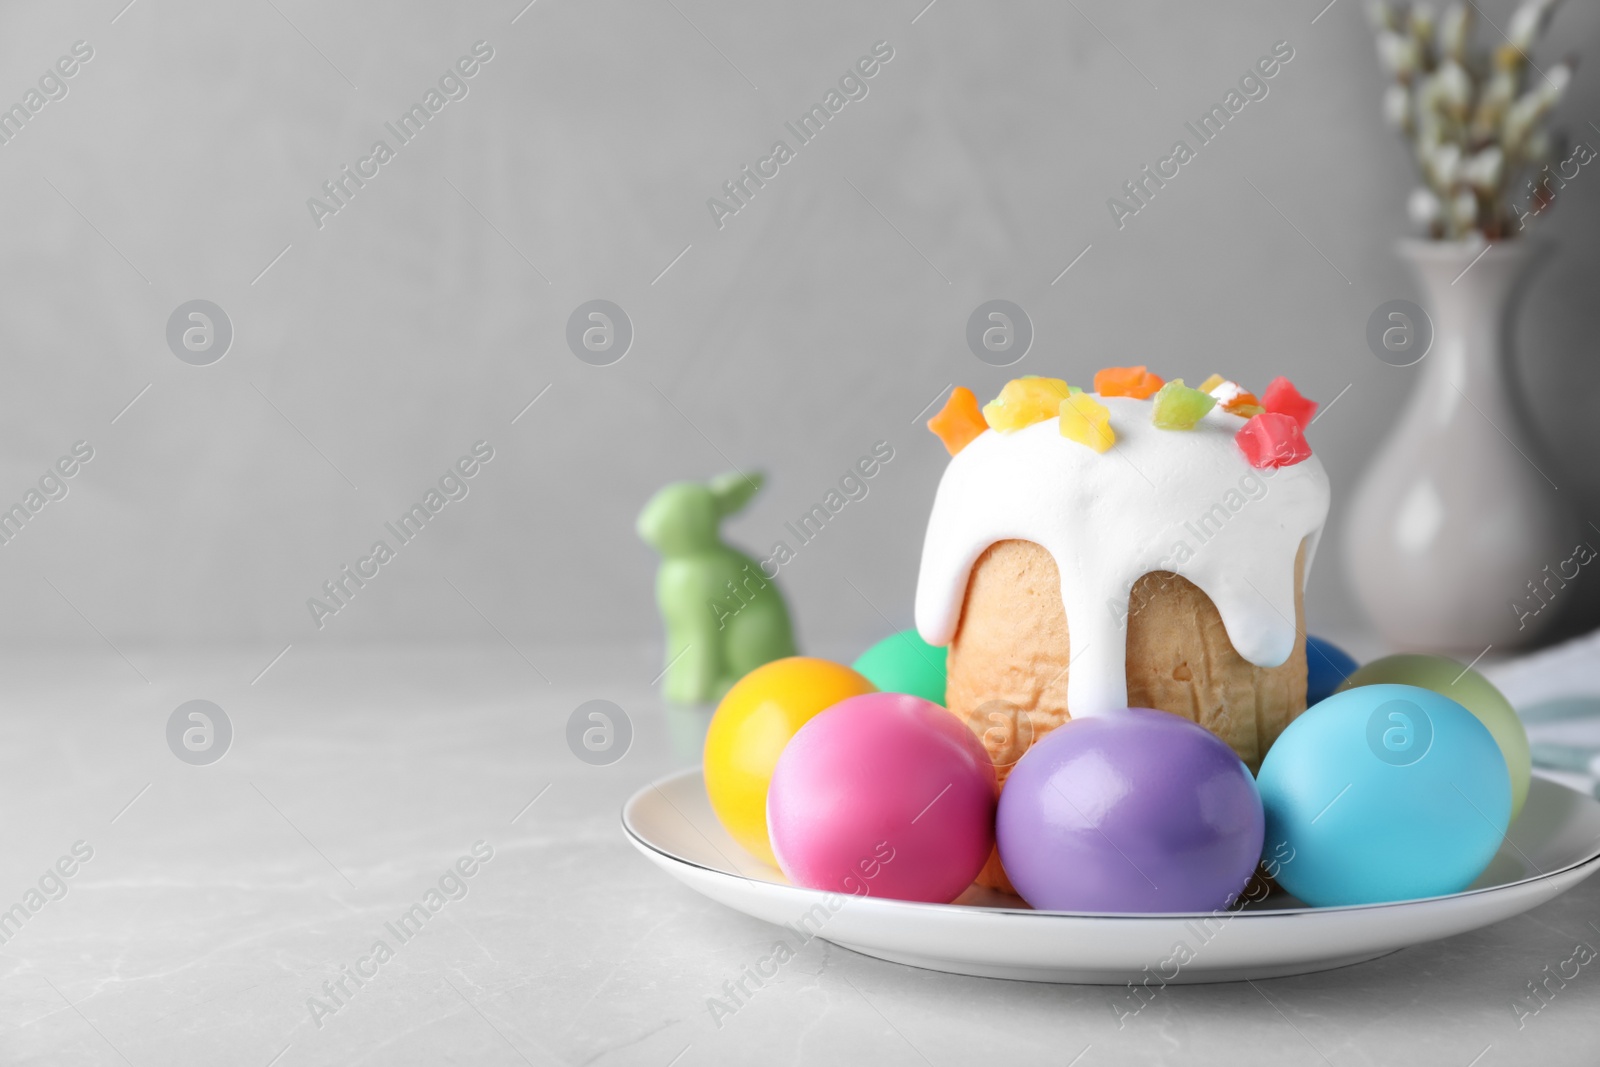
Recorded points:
(1134, 811)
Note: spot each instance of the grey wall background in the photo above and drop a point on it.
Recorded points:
(430, 311)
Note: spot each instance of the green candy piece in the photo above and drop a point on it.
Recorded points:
(1178, 407)
(1472, 691)
(723, 615)
(905, 663)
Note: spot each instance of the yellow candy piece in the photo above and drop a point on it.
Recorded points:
(1086, 421)
(1211, 383)
(1025, 401)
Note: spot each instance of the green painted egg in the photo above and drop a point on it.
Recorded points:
(905, 663)
(1472, 691)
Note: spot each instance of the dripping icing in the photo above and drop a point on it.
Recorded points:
(1107, 519)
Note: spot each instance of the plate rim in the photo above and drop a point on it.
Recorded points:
(1592, 859)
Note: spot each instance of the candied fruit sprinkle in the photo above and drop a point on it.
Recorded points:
(1211, 383)
(1086, 421)
(1284, 399)
(1025, 401)
(1136, 382)
(1178, 407)
(1272, 439)
(1235, 400)
(959, 421)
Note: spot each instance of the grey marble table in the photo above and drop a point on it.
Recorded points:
(230, 912)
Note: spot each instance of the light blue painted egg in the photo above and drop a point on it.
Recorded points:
(1382, 793)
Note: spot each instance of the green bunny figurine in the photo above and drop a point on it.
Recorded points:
(723, 616)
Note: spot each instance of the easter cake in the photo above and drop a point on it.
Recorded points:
(1145, 544)
(1118, 721)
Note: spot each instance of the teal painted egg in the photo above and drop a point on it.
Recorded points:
(905, 663)
(1383, 793)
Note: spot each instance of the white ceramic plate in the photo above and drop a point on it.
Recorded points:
(1553, 846)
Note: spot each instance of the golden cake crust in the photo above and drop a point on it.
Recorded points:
(1010, 659)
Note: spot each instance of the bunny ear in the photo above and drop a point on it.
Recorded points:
(732, 491)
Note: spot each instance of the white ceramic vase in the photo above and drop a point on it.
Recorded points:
(1451, 530)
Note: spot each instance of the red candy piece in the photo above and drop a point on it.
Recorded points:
(1282, 397)
(1272, 439)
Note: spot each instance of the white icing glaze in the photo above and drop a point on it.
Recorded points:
(1227, 392)
(1107, 519)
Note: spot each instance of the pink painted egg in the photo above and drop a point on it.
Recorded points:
(883, 795)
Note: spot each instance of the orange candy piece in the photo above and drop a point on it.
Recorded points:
(1231, 397)
(960, 421)
(1136, 382)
